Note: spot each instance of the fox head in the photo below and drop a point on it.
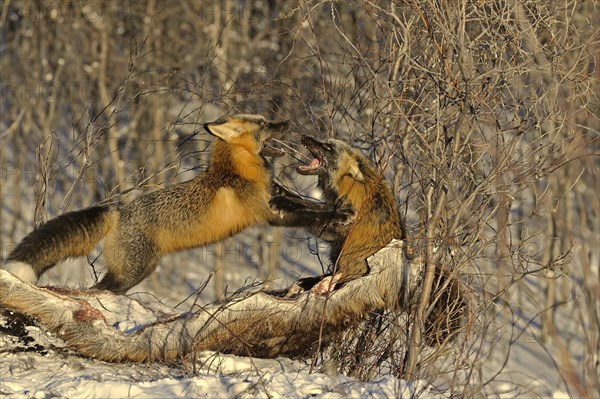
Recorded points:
(251, 132)
(333, 160)
(343, 171)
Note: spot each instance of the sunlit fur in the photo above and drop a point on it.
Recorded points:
(231, 195)
(351, 177)
(348, 177)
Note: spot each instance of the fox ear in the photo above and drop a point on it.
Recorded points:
(227, 130)
(354, 170)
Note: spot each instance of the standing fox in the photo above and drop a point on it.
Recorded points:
(231, 195)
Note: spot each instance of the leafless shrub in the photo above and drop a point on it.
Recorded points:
(484, 116)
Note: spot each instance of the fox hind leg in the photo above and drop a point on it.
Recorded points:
(128, 262)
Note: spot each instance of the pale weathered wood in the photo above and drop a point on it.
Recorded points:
(261, 324)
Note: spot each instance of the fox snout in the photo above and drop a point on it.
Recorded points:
(277, 129)
(274, 131)
(321, 153)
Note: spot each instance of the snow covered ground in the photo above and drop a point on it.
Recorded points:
(45, 368)
(63, 374)
(56, 371)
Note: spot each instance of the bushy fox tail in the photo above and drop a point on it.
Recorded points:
(72, 234)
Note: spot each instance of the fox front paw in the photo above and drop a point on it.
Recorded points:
(282, 204)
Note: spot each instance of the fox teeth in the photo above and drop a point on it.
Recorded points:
(314, 164)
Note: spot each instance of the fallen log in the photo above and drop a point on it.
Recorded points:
(260, 324)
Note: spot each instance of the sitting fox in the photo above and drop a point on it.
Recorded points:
(349, 179)
(231, 195)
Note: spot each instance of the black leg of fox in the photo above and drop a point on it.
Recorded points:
(141, 261)
(309, 217)
(296, 211)
(129, 262)
(321, 219)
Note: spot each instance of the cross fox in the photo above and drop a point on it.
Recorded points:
(349, 179)
(232, 194)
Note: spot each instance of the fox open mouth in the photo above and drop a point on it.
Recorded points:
(310, 169)
(272, 146)
(315, 166)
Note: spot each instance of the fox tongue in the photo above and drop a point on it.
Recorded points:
(314, 164)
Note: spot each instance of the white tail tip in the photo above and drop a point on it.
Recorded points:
(21, 270)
